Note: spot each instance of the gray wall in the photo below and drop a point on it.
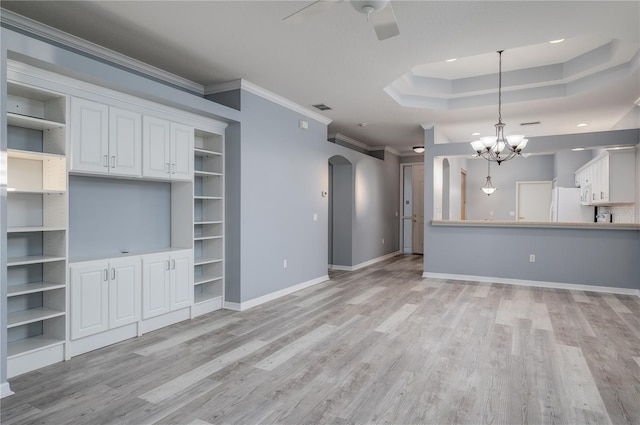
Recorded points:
(108, 216)
(578, 256)
(283, 171)
(504, 178)
(565, 165)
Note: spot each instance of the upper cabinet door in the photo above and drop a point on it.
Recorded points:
(182, 139)
(125, 142)
(89, 136)
(156, 148)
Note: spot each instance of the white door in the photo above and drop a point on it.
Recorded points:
(182, 138)
(125, 288)
(181, 280)
(418, 208)
(533, 200)
(156, 148)
(89, 136)
(89, 299)
(125, 142)
(156, 285)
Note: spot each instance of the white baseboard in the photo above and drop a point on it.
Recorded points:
(5, 391)
(274, 295)
(365, 264)
(535, 283)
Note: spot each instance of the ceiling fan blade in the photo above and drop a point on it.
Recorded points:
(384, 22)
(312, 9)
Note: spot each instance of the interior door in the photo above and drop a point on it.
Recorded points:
(533, 200)
(417, 179)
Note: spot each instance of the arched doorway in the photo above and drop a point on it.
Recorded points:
(341, 196)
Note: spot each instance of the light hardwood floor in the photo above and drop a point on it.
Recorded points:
(380, 345)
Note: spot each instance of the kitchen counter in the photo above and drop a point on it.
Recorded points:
(537, 224)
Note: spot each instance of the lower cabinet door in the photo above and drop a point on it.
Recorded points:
(89, 299)
(156, 285)
(125, 288)
(181, 280)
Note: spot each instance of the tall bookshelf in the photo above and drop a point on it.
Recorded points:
(208, 222)
(37, 222)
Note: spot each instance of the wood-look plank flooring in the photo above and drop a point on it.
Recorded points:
(380, 345)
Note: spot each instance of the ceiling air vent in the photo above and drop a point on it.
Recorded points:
(322, 107)
(530, 123)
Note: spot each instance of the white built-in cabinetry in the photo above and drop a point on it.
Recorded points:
(36, 227)
(608, 179)
(208, 243)
(105, 294)
(59, 307)
(167, 149)
(105, 140)
(168, 282)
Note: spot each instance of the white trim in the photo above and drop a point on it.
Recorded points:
(266, 94)
(53, 34)
(365, 264)
(535, 283)
(386, 148)
(274, 295)
(5, 391)
(349, 140)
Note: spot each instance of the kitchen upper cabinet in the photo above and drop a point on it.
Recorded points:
(105, 140)
(104, 295)
(608, 179)
(167, 148)
(167, 283)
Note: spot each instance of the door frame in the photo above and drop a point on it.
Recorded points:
(519, 183)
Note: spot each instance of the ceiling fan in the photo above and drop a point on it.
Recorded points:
(379, 12)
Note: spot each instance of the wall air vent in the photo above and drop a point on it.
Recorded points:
(322, 107)
(530, 123)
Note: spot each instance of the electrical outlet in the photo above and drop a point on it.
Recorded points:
(284, 264)
(532, 258)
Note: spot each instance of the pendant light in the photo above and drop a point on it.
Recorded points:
(488, 187)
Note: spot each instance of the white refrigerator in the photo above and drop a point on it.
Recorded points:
(565, 206)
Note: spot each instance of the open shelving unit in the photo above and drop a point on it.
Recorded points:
(208, 222)
(37, 223)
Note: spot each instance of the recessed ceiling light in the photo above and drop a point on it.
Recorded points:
(475, 134)
(577, 149)
(451, 60)
(560, 40)
(582, 124)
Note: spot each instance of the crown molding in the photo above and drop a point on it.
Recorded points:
(266, 94)
(349, 140)
(386, 148)
(47, 32)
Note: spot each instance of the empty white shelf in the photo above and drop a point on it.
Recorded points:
(30, 229)
(28, 345)
(199, 280)
(33, 123)
(32, 259)
(33, 156)
(33, 287)
(25, 317)
(206, 152)
(206, 260)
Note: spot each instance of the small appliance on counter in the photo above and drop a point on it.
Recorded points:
(604, 217)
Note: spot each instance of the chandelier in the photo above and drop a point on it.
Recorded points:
(499, 148)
